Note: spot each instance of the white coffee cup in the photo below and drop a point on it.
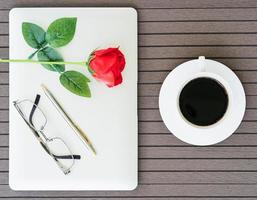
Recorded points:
(169, 102)
(203, 73)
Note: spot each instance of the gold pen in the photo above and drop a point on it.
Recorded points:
(80, 133)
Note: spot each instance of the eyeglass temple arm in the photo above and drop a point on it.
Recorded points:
(34, 107)
(77, 157)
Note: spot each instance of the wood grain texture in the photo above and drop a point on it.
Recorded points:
(139, 198)
(180, 165)
(154, 190)
(174, 15)
(7, 4)
(185, 178)
(170, 33)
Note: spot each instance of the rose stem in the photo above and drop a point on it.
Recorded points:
(41, 62)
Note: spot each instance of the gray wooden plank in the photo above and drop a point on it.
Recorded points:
(222, 14)
(144, 198)
(195, 27)
(198, 152)
(4, 154)
(4, 103)
(4, 40)
(197, 14)
(137, 198)
(152, 127)
(4, 90)
(4, 52)
(204, 190)
(6, 4)
(4, 78)
(4, 165)
(170, 140)
(4, 67)
(4, 140)
(4, 128)
(4, 16)
(4, 115)
(4, 28)
(196, 177)
(247, 127)
(181, 165)
(185, 178)
(194, 52)
(193, 165)
(197, 39)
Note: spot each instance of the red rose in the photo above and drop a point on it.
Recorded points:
(106, 65)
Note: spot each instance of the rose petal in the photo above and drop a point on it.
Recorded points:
(122, 62)
(103, 64)
(107, 78)
(110, 79)
(104, 51)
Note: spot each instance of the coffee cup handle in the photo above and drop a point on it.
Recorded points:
(201, 60)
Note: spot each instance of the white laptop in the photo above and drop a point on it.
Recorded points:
(109, 117)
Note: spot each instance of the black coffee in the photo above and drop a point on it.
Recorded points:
(203, 101)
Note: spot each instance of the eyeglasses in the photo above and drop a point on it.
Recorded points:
(36, 120)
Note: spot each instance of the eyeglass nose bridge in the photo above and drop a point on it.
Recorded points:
(66, 171)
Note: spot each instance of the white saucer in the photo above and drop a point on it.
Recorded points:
(184, 130)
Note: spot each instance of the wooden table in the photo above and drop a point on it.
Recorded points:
(171, 32)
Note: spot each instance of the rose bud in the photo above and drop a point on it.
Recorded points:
(106, 65)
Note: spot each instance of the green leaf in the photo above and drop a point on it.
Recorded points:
(34, 35)
(33, 54)
(75, 82)
(61, 31)
(49, 54)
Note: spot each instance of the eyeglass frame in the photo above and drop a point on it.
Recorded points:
(38, 133)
